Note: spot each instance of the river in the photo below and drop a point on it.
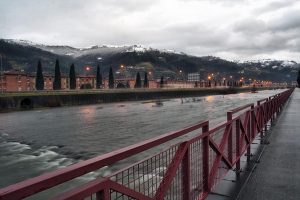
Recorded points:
(37, 141)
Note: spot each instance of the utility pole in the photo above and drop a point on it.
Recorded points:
(2, 85)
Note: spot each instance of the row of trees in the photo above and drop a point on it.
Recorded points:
(39, 83)
(138, 81)
(39, 79)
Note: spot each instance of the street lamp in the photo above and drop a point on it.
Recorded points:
(87, 68)
(2, 85)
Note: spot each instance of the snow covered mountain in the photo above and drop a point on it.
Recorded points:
(93, 50)
(274, 64)
(22, 54)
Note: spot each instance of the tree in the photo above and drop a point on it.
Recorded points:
(111, 80)
(161, 82)
(98, 78)
(146, 82)
(127, 84)
(39, 79)
(196, 84)
(138, 81)
(57, 77)
(72, 77)
(298, 78)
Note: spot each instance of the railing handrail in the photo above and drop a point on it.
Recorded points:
(261, 100)
(238, 109)
(51, 179)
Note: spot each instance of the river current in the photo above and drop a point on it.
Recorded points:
(38, 141)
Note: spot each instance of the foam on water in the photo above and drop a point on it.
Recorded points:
(35, 161)
(15, 154)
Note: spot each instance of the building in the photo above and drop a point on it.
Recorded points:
(84, 80)
(193, 77)
(18, 81)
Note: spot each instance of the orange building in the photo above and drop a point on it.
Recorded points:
(18, 81)
(85, 79)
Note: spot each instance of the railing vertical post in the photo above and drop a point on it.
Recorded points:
(103, 194)
(205, 157)
(237, 133)
(260, 120)
(271, 109)
(251, 132)
(186, 180)
(266, 110)
(229, 142)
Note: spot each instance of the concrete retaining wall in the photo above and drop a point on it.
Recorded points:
(56, 99)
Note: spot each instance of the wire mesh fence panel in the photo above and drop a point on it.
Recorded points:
(196, 169)
(115, 195)
(175, 189)
(217, 135)
(92, 197)
(221, 173)
(145, 177)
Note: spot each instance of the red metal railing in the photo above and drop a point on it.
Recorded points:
(187, 170)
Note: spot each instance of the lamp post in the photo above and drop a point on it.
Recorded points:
(2, 85)
(209, 83)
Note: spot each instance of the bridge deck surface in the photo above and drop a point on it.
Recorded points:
(277, 176)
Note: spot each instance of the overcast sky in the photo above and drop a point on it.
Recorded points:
(231, 29)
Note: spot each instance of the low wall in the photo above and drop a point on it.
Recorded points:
(19, 101)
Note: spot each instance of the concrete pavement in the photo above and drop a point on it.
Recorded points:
(277, 176)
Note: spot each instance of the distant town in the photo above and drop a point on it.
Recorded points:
(123, 77)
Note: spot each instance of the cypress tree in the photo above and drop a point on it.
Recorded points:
(57, 77)
(111, 80)
(161, 82)
(98, 78)
(298, 78)
(72, 77)
(127, 84)
(196, 84)
(39, 78)
(146, 82)
(138, 81)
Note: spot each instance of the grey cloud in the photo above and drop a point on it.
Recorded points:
(250, 26)
(84, 23)
(275, 6)
(289, 20)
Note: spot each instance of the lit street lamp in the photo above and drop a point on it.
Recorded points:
(87, 68)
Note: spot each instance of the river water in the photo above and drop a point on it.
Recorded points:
(38, 141)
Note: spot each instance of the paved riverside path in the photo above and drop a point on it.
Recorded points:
(277, 176)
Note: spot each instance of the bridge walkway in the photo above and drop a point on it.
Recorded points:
(277, 176)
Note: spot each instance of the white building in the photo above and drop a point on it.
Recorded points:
(193, 77)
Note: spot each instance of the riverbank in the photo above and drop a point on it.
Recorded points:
(30, 100)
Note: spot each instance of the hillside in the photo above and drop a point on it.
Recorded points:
(24, 55)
